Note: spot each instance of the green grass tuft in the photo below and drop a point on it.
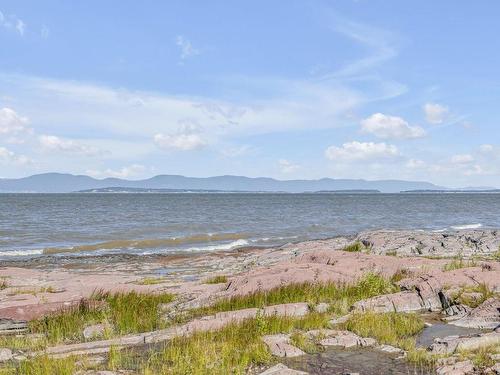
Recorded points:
(355, 247)
(459, 262)
(219, 279)
(125, 312)
(150, 281)
(230, 350)
(396, 329)
(340, 296)
(463, 297)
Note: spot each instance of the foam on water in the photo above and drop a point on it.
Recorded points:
(467, 226)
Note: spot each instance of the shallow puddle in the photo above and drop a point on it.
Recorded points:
(362, 361)
(441, 329)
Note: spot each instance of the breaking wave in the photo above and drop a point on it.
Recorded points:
(147, 243)
(467, 226)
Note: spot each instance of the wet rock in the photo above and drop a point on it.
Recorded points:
(279, 346)
(486, 315)
(5, 355)
(389, 349)
(346, 339)
(95, 331)
(451, 344)
(399, 302)
(456, 312)
(281, 369)
(458, 368)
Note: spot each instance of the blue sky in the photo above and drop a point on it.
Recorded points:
(297, 89)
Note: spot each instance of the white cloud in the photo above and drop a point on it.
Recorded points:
(9, 157)
(435, 113)
(361, 151)
(124, 172)
(387, 127)
(56, 144)
(182, 142)
(486, 148)
(11, 22)
(287, 166)
(11, 123)
(187, 49)
(462, 159)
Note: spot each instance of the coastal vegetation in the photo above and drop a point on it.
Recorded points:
(396, 329)
(219, 279)
(459, 262)
(340, 296)
(355, 247)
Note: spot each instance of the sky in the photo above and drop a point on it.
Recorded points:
(373, 89)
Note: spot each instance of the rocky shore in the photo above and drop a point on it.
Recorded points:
(453, 275)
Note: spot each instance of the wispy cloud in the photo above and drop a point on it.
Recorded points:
(124, 172)
(12, 22)
(186, 48)
(435, 113)
(52, 143)
(361, 151)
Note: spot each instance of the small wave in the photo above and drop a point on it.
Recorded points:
(228, 246)
(467, 226)
(146, 244)
(19, 253)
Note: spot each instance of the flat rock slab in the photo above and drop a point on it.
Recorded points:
(281, 369)
(395, 302)
(346, 339)
(458, 368)
(486, 315)
(452, 344)
(279, 346)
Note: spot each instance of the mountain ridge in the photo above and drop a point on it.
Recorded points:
(65, 183)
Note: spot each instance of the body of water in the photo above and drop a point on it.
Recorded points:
(82, 224)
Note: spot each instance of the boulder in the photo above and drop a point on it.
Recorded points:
(321, 307)
(389, 349)
(458, 368)
(346, 339)
(5, 355)
(395, 302)
(95, 331)
(456, 312)
(281, 369)
(279, 346)
(485, 316)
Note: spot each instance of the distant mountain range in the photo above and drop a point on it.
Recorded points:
(65, 183)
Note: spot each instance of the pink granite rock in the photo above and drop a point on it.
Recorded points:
(458, 368)
(395, 302)
(486, 315)
(279, 346)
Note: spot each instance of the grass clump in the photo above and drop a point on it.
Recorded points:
(230, 350)
(44, 365)
(3, 284)
(396, 329)
(125, 312)
(401, 274)
(150, 281)
(459, 262)
(340, 296)
(219, 279)
(472, 296)
(355, 247)
(496, 255)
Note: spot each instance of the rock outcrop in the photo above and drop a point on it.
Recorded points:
(448, 244)
(281, 369)
(279, 345)
(486, 315)
(451, 344)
